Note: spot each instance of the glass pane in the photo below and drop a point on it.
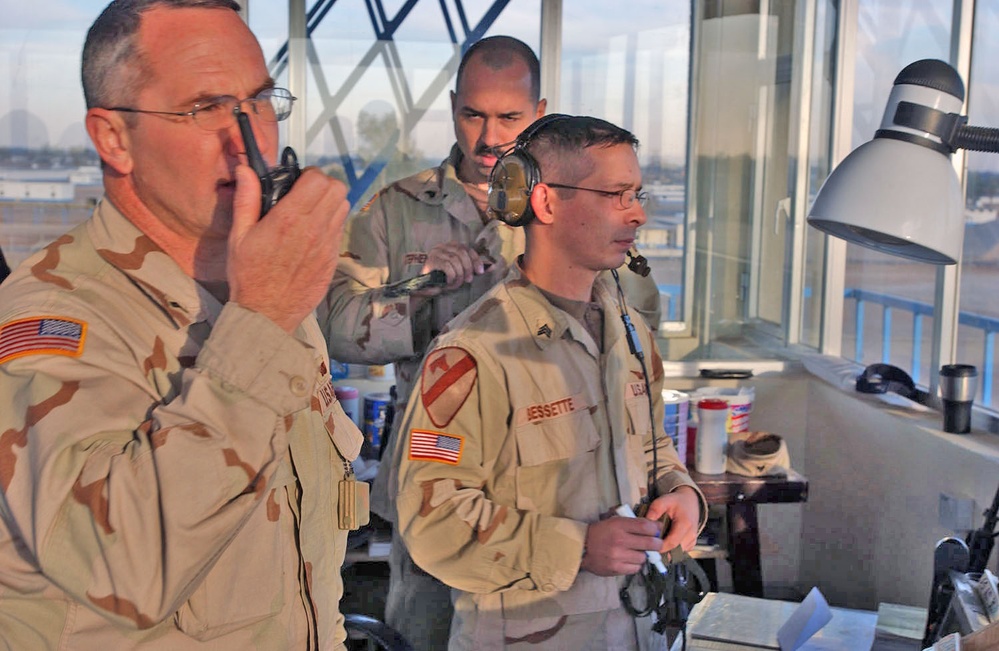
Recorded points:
(377, 102)
(979, 316)
(631, 68)
(823, 74)
(49, 174)
(890, 293)
(745, 70)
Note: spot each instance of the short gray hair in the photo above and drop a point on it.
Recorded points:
(112, 63)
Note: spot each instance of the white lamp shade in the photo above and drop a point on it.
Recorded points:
(896, 197)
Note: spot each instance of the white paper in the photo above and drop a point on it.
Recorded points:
(811, 615)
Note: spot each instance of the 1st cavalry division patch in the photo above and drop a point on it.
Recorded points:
(41, 335)
(448, 377)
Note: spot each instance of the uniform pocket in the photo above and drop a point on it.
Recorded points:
(639, 429)
(247, 583)
(556, 474)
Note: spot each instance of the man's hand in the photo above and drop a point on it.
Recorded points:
(281, 265)
(458, 261)
(617, 545)
(684, 510)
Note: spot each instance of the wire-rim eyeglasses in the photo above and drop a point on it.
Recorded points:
(219, 113)
(626, 198)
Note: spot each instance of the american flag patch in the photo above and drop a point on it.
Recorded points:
(432, 446)
(41, 335)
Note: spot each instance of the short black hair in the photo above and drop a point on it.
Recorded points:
(556, 143)
(498, 52)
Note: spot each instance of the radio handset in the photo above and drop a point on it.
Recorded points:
(276, 181)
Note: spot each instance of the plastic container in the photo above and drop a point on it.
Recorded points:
(689, 458)
(386, 372)
(712, 436)
(349, 399)
(375, 406)
(676, 405)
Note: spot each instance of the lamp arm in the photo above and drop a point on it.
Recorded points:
(976, 139)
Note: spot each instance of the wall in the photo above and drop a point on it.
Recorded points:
(875, 479)
(867, 532)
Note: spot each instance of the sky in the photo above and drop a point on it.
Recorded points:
(41, 101)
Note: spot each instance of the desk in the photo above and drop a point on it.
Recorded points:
(740, 495)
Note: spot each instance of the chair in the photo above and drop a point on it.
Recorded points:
(366, 633)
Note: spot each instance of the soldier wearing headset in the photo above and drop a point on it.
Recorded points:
(436, 219)
(532, 419)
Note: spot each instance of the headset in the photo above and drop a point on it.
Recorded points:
(885, 378)
(515, 174)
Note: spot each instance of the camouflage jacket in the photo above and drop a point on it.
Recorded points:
(168, 464)
(521, 434)
(388, 240)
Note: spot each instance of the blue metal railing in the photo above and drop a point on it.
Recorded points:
(988, 325)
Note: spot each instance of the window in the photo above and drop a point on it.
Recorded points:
(888, 308)
(632, 69)
(979, 313)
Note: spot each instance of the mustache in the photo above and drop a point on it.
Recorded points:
(494, 150)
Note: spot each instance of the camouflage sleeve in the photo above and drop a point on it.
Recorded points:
(361, 324)
(672, 471)
(457, 510)
(124, 500)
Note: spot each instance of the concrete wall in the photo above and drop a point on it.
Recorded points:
(876, 473)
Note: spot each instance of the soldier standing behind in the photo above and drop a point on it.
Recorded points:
(435, 219)
(170, 446)
(532, 421)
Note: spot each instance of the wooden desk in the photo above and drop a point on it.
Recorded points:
(740, 495)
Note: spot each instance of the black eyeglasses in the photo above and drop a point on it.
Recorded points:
(218, 113)
(625, 198)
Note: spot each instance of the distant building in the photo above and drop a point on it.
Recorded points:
(14, 190)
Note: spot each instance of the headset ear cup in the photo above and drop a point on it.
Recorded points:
(510, 184)
(514, 176)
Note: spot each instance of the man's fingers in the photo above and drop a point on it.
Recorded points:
(679, 534)
(245, 203)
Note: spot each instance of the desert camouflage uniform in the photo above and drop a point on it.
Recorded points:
(386, 241)
(522, 434)
(169, 468)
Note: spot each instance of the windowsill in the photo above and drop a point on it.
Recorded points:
(841, 374)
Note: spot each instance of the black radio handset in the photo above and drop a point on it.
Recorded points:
(274, 182)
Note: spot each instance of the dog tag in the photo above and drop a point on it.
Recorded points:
(353, 511)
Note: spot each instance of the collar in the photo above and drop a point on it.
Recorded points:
(439, 186)
(126, 248)
(547, 323)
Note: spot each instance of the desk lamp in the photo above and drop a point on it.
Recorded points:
(899, 193)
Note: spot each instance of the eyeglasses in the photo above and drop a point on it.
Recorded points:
(218, 113)
(625, 198)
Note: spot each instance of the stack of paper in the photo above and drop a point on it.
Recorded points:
(899, 628)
